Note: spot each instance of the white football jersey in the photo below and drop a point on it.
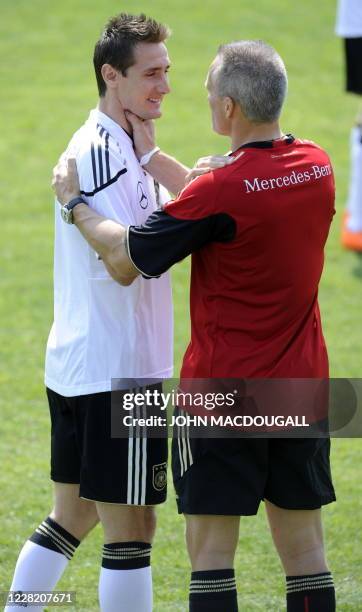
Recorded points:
(349, 18)
(102, 330)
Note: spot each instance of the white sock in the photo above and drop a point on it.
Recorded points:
(125, 581)
(125, 590)
(37, 569)
(354, 204)
(42, 560)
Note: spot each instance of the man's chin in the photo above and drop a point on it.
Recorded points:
(152, 114)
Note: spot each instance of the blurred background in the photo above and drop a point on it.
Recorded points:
(47, 90)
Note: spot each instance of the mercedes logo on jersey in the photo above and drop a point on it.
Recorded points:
(142, 198)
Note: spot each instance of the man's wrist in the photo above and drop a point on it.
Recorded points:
(75, 199)
(146, 158)
(67, 211)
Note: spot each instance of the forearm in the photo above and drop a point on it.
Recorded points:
(108, 239)
(168, 171)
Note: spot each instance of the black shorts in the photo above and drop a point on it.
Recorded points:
(128, 471)
(353, 53)
(232, 476)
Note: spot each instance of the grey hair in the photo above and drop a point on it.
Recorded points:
(253, 74)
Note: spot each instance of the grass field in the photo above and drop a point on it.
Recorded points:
(47, 91)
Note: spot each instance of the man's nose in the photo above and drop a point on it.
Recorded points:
(164, 86)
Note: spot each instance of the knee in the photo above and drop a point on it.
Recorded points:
(211, 558)
(79, 519)
(140, 525)
(304, 558)
(296, 543)
(298, 537)
(128, 524)
(147, 524)
(207, 552)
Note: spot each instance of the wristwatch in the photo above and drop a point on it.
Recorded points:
(66, 211)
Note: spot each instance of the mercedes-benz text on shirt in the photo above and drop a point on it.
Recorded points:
(314, 173)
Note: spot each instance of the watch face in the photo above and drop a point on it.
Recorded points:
(67, 215)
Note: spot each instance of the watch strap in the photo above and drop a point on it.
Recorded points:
(74, 201)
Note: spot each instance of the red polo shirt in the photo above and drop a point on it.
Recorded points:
(256, 230)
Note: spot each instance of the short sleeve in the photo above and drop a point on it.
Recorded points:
(184, 226)
(103, 179)
(99, 162)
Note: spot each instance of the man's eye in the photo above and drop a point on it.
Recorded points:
(150, 74)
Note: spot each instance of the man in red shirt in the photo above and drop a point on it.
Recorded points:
(256, 230)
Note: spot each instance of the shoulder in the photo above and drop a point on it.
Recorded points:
(199, 185)
(314, 151)
(204, 195)
(195, 200)
(309, 145)
(99, 159)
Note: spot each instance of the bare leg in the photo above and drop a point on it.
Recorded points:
(298, 538)
(211, 543)
(76, 515)
(123, 523)
(211, 540)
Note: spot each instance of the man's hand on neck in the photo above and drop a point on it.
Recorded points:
(143, 132)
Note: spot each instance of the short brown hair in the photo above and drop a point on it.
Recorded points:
(118, 40)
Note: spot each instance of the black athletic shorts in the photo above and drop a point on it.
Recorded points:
(115, 470)
(232, 476)
(353, 53)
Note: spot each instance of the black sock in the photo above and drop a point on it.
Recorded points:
(51, 535)
(213, 591)
(126, 555)
(311, 593)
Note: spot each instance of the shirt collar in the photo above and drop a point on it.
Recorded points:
(111, 126)
(267, 144)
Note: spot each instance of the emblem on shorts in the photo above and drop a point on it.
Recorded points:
(159, 479)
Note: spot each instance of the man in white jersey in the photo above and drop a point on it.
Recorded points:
(103, 331)
(349, 27)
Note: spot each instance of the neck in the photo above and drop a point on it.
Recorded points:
(253, 132)
(114, 110)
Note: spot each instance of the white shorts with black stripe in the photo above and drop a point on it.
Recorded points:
(130, 471)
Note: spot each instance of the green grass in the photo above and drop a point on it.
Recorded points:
(47, 91)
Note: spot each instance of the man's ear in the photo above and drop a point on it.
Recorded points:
(229, 106)
(110, 76)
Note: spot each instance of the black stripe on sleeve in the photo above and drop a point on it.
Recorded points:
(94, 167)
(108, 168)
(100, 151)
(164, 240)
(105, 143)
(107, 184)
(100, 162)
